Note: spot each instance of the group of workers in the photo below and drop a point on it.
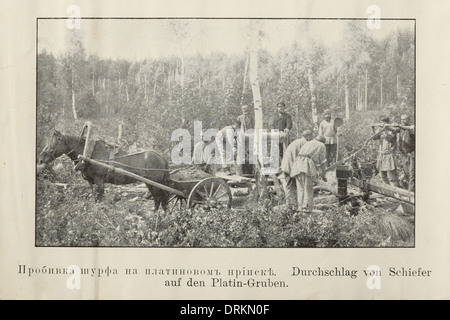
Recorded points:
(304, 160)
(229, 136)
(307, 158)
(393, 138)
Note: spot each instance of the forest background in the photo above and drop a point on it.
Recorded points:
(197, 70)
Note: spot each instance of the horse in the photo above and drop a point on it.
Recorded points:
(147, 164)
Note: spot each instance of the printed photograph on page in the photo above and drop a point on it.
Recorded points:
(225, 132)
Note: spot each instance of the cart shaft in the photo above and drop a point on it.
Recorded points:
(132, 175)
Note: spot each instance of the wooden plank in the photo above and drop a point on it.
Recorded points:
(384, 189)
(132, 175)
(235, 178)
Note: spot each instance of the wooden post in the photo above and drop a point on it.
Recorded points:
(89, 144)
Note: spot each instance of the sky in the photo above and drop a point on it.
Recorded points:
(138, 39)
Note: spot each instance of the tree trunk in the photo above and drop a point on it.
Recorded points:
(398, 89)
(244, 82)
(74, 109)
(346, 97)
(365, 91)
(261, 183)
(145, 88)
(120, 86)
(168, 78)
(93, 83)
(154, 83)
(119, 135)
(281, 73)
(358, 97)
(107, 95)
(381, 91)
(182, 71)
(312, 90)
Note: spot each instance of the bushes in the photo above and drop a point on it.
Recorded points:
(69, 217)
(279, 227)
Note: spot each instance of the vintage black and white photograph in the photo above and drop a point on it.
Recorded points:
(225, 132)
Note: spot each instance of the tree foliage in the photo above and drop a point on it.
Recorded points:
(155, 96)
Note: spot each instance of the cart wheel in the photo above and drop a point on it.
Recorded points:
(177, 202)
(211, 192)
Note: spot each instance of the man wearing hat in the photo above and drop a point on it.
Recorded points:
(309, 165)
(328, 130)
(289, 157)
(245, 121)
(386, 163)
(406, 145)
(283, 123)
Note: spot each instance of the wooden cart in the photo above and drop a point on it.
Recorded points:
(208, 192)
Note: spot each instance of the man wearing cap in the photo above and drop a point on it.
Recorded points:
(245, 121)
(406, 145)
(287, 163)
(328, 130)
(283, 123)
(386, 163)
(309, 165)
(204, 155)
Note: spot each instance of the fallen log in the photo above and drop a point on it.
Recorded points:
(384, 189)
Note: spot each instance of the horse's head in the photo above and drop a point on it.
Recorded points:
(55, 147)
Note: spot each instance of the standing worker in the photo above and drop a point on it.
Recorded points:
(310, 161)
(204, 155)
(329, 130)
(406, 146)
(289, 157)
(226, 141)
(283, 123)
(386, 163)
(245, 121)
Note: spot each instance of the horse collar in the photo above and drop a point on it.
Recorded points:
(68, 147)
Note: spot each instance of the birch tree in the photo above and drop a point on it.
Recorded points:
(261, 184)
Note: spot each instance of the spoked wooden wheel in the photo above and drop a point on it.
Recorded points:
(210, 193)
(177, 202)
